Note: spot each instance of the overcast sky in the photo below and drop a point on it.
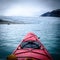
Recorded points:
(27, 7)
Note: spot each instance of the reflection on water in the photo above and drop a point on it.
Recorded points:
(48, 29)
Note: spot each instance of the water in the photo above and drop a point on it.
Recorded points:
(48, 29)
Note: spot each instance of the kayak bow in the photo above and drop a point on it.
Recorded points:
(30, 49)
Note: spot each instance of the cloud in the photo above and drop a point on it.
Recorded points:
(39, 6)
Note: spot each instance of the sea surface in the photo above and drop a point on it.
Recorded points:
(47, 28)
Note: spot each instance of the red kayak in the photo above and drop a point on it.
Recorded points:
(30, 49)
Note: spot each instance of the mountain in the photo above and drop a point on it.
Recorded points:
(54, 13)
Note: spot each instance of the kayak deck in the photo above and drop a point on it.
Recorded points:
(31, 49)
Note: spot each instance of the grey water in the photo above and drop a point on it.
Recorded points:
(47, 28)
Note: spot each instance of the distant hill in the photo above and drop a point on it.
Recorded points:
(54, 13)
(9, 22)
(4, 22)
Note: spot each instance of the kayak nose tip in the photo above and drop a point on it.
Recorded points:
(31, 33)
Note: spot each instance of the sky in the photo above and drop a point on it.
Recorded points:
(27, 8)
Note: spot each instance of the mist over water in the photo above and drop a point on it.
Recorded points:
(48, 29)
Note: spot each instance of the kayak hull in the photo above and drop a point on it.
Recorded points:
(30, 53)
